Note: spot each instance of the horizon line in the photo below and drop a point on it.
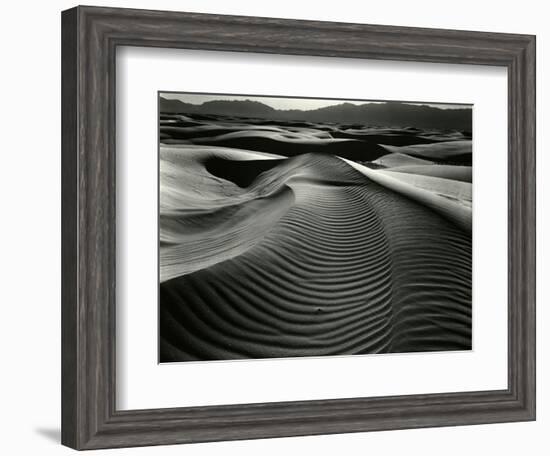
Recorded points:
(290, 103)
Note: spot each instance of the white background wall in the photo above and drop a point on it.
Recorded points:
(30, 227)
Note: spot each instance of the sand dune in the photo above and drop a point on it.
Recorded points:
(288, 143)
(448, 151)
(399, 159)
(457, 173)
(451, 199)
(354, 142)
(452, 189)
(309, 255)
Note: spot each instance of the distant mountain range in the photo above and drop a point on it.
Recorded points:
(382, 114)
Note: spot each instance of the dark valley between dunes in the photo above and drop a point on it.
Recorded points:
(339, 230)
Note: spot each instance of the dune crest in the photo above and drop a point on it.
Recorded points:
(452, 199)
(457, 173)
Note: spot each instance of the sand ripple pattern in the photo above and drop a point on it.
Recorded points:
(339, 265)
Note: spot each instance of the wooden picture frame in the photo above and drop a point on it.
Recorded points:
(90, 36)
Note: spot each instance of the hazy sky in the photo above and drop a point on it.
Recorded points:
(289, 103)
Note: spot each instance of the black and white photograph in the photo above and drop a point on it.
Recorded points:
(275, 228)
(292, 227)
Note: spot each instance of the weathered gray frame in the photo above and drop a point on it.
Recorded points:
(90, 36)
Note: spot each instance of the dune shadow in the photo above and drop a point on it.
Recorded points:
(240, 172)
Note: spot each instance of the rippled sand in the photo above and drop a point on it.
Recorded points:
(293, 249)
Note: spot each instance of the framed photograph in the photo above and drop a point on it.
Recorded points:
(280, 228)
(293, 227)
